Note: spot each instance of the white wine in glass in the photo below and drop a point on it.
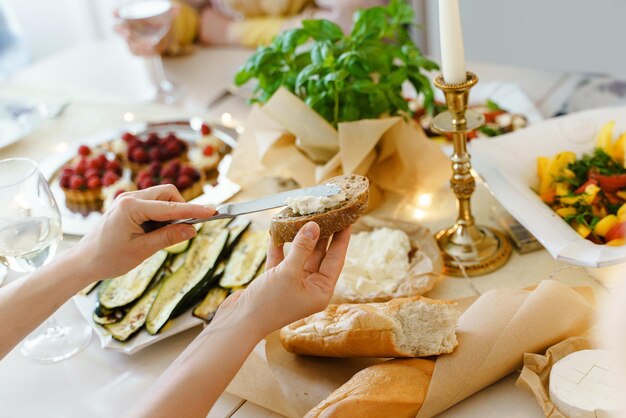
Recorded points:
(30, 231)
(149, 21)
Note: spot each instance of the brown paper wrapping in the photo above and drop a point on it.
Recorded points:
(286, 138)
(535, 375)
(494, 333)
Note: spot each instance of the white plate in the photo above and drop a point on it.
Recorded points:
(75, 223)
(508, 165)
(87, 304)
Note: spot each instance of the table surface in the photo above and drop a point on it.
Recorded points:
(104, 84)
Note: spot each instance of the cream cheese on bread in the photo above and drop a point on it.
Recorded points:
(306, 205)
(376, 261)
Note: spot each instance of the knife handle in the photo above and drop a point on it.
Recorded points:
(150, 226)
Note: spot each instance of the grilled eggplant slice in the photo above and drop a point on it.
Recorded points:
(210, 227)
(182, 288)
(178, 248)
(207, 308)
(135, 318)
(126, 289)
(247, 257)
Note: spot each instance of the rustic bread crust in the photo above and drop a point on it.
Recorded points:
(392, 389)
(285, 225)
(351, 330)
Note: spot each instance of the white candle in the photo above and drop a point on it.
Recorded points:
(451, 38)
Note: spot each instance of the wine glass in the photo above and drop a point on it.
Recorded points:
(30, 231)
(149, 21)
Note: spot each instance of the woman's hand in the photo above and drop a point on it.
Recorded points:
(293, 286)
(118, 243)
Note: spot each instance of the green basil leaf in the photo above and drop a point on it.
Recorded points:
(322, 30)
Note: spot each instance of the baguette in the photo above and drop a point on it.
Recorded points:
(405, 327)
(286, 224)
(392, 389)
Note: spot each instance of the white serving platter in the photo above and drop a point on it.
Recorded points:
(508, 164)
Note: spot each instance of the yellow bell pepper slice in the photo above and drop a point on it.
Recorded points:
(606, 223)
(604, 139)
(619, 148)
(562, 189)
(587, 197)
(565, 212)
(542, 167)
(582, 230)
(555, 169)
(617, 242)
(621, 211)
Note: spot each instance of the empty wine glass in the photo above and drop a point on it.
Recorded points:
(149, 21)
(30, 231)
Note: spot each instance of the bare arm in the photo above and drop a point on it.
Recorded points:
(117, 245)
(291, 288)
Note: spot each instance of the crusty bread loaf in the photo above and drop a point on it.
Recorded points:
(392, 389)
(405, 327)
(286, 224)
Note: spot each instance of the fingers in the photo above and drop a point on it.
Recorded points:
(303, 246)
(141, 211)
(336, 255)
(164, 237)
(314, 261)
(275, 254)
(167, 192)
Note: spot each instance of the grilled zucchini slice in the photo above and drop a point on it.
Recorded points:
(126, 289)
(104, 316)
(236, 232)
(246, 259)
(135, 318)
(210, 227)
(207, 308)
(183, 287)
(181, 247)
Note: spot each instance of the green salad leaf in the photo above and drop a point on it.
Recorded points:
(345, 77)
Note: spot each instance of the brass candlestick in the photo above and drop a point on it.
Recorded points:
(476, 249)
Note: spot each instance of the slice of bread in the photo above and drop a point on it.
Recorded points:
(404, 327)
(286, 224)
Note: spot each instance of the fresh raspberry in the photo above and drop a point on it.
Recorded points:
(171, 137)
(92, 172)
(172, 149)
(96, 163)
(65, 180)
(140, 156)
(109, 178)
(153, 140)
(127, 137)
(77, 182)
(68, 171)
(187, 170)
(205, 129)
(183, 182)
(93, 183)
(155, 154)
(147, 182)
(155, 169)
(84, 150)
(208, 150)
(166, 180)
(81, 167)
(134, 143)
(114, 166)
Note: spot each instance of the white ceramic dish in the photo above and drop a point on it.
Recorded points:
(86, 305)
(75, 223)
(508, 165)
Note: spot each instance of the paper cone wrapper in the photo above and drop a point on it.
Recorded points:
(286, 138)
(494, 333)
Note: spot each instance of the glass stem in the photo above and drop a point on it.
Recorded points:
(53, 328)
(162, 83)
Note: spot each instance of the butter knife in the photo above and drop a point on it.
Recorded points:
(230, 210)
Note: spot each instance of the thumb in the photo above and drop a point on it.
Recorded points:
(166, 236)
(303, 246)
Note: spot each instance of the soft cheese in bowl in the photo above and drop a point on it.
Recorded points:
(388, 259)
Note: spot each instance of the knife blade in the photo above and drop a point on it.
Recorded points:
(230, 210)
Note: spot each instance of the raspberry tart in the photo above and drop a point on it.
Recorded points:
(154, 148)
(82, 179)
(187, 179)
(209, 152)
